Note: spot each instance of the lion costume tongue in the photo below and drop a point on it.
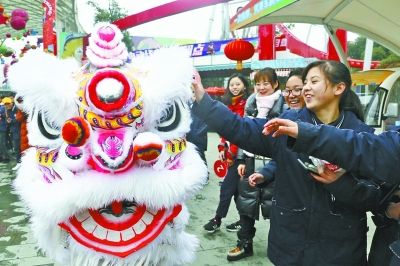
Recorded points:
(120, 228)
(116, 207)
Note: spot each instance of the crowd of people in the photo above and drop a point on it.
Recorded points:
(10, 131)
(315, 219)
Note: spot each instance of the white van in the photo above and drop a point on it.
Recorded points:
(379, 92)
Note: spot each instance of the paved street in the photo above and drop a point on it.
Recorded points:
(17, 246)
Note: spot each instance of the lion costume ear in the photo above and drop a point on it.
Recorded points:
(46, 83)
(168, 76)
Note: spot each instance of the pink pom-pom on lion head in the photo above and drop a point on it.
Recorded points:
(106, 48)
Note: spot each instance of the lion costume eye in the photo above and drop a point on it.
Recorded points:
(171, 118)
(46, 129)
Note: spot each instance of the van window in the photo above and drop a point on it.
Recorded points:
(374, 110)
(393, 97)
(365, 93)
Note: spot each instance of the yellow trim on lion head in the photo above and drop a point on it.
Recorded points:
(176, 146)
(46, 156)
(99, 121)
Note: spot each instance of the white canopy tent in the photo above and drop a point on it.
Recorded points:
(374, 19)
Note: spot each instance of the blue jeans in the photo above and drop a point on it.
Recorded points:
(229, 189)
(17, 149)
(3, 150)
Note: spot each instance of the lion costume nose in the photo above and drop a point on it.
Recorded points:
(148, 147)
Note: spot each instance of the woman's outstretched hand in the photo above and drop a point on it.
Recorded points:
(281, 126)
(255, 179)
(393, 210)
(198, 87)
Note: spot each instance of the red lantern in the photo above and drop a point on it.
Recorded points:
(239, 50)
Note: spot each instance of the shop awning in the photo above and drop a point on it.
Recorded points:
(282, 63)
(221, 67)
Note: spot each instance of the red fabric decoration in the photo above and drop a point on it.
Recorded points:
(75, 131)
(22, 118)
(239, 50)
(215, 91)
(4, 18)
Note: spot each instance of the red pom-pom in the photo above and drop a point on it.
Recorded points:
(75, 131)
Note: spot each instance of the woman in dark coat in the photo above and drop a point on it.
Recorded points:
(236, 94)
(252, 197)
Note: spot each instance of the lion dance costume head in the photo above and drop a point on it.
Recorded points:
(110, 168)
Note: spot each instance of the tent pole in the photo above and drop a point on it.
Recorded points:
(210, 22)
(368, 54)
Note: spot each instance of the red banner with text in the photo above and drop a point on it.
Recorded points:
(49, 26)
(280, 43)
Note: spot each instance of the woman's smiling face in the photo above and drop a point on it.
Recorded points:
(294, 83)
(318, 94)
(236, 86)
(265, 88)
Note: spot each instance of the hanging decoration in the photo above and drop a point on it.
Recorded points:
(239, 50)
(19, 18)
(49, 8)
(4, 17)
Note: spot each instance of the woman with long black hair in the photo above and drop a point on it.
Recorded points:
(236, 94)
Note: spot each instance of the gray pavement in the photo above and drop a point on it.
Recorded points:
(17, 245)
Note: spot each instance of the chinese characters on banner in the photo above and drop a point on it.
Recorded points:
(49, 26)
(280, 43)
(282, 63)
(255, 10)
(202, 49)
(216, 47)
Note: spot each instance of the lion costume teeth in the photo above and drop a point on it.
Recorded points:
(109, 171)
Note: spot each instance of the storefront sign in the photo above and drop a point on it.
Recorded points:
(201, 49)
(280, 43)
(255, 10)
